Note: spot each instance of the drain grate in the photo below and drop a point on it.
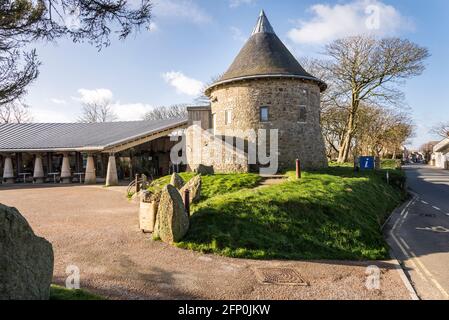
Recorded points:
(280, 276)
(428, 215)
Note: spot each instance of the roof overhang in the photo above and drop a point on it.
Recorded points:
(115, 146)
(443, 146)
(144, 138)
(320, 83)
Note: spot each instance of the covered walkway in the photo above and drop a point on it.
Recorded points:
(86, 152)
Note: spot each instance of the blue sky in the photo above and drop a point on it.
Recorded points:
(192, 41)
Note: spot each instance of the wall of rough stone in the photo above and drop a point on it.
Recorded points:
(208, 154)
(283, 97)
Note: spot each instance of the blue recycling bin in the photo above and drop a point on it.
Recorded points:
(367, 163)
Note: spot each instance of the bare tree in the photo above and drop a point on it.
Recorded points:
(381, 131)
(17, 71)
(367, 70)
(427, 149)
(441, 130)
(23, 22)
(203, 99)
(97, 111)
(171, 112)
(14, 112)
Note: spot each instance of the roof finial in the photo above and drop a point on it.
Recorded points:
(263, 25)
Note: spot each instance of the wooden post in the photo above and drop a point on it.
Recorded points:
(356, 165)
(298, 169)
(187, 201)
(137, 184)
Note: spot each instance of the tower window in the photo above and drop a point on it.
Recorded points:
(228, 117)
(264, 114)
(302, 114)
(214, 123)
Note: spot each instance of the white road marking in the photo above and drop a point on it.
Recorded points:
(430, 275)
(436, 208)
(424, 202)
(404, 243)
(412, 256)
(407, 256)
(406, 215)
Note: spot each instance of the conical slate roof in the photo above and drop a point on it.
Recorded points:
(264, 55)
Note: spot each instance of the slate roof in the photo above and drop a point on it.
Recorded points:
(264, 55)
(78, 136)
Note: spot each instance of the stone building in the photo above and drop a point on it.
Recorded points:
(264, 88)
(440, 156)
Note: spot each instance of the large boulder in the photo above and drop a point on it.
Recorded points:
(172, 222)
(26, 260)
(176, 181)
(194, 186)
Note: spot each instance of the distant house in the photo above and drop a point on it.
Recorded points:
(440, 156)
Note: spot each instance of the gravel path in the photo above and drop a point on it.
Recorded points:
(96, 229)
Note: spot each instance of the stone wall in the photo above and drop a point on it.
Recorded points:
(283, 97)
(208, 154)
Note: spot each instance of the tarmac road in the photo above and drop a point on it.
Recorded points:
(419, 232)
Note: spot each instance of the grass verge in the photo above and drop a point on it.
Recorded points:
(61, 293)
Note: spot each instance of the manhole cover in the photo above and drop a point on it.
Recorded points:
(280, 276)
(428, 215)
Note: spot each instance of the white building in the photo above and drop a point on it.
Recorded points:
(441, 154)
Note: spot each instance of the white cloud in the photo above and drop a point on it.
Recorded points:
(183, 84)
(130, 111)
(58, 101)
(186, 9)
(238, 3)
(123, 111)
(341, 20)
(154, 27)
(95, 95)
(238, 35)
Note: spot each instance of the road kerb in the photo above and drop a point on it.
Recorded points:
(408, 285)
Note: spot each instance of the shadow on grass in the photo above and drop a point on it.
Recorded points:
(330, 214)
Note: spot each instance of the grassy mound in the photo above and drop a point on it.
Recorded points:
(213, 185)
(333, 214)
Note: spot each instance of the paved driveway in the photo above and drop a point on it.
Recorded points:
(421, 234)
(96, 229)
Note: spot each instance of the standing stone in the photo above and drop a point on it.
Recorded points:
(172, 222)
(177, 181)
(26, 261)
(194, 186)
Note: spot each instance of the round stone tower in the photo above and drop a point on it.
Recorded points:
(267, 88)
